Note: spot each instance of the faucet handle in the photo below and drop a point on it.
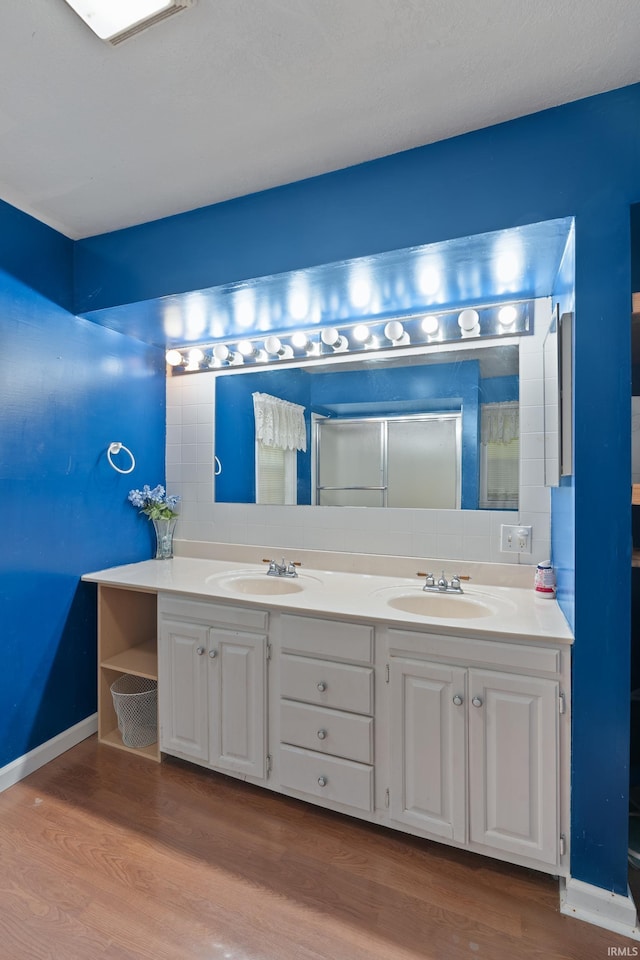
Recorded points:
(430, 582)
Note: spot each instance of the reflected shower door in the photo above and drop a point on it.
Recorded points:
(423, 462)
(350, 463)
(395, 462)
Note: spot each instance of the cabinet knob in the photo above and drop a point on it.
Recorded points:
(458, 700)
(213, 654)
(200, 651)
(323, 781)
(322, 686)
(477, 701)
(322, 734)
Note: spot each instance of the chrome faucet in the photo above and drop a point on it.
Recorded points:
(284, 569)
(442, 585)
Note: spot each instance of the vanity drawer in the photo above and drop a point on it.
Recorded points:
(327, 684)
(207, 612)
(327, 731)
(330, 638)
(330, 778)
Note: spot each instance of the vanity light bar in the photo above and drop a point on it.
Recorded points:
(488, 321)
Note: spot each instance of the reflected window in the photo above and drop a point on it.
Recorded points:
(276, 474)
(499, 456)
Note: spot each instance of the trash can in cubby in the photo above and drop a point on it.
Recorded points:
(135, 700)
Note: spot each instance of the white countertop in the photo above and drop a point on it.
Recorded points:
(516, 613)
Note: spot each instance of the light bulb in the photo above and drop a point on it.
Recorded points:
(302, 342)
(331, 338)
(507, 315)
(173, 358)
(221, 352)
(274, 345)
(395, 332)
(363, 335)
(249, 350)
(468, 320)
(195, 357)
(430, 324)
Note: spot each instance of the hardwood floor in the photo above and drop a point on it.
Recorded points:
(106, 856)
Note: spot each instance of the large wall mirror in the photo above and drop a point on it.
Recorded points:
(432, 429)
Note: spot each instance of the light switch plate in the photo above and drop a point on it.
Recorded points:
(515, 538)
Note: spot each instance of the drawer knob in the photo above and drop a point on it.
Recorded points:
(200, 651)
(323, 781)
(322, 734)
(322, 686)
(458, 700)
(477, 701)
(213, 654)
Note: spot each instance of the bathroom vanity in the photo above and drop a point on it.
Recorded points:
(444, 716)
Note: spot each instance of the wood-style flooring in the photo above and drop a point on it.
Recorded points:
(107, 856)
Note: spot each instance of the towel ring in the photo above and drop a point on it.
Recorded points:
(115, 448)
(217, 466)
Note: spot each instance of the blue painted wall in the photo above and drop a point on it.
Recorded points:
(67, 388)
(499, 389)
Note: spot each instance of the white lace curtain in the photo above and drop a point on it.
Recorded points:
(279, 423)
(500, 422)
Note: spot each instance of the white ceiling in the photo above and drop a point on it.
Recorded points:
(234, 96)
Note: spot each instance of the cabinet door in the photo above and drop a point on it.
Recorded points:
(428, 747)
(513, 763)
(182, 689)
(237, 702)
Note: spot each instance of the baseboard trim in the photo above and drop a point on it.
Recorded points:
(19, 769)
(600, 907)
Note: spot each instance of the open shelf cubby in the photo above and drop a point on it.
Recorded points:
(127, 644)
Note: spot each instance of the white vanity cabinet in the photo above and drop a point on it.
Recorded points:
(326, 749)
(330, 694)
(212, 684)
(475, 751)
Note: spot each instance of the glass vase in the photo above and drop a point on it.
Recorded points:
(164, 538)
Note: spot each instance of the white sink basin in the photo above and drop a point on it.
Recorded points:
(259, 584)
(441, 605)
(444, 606)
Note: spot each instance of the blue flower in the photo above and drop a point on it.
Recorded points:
(154, 503)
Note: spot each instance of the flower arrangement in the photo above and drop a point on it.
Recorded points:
(155, 503)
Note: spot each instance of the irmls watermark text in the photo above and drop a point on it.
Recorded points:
(623, 951)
